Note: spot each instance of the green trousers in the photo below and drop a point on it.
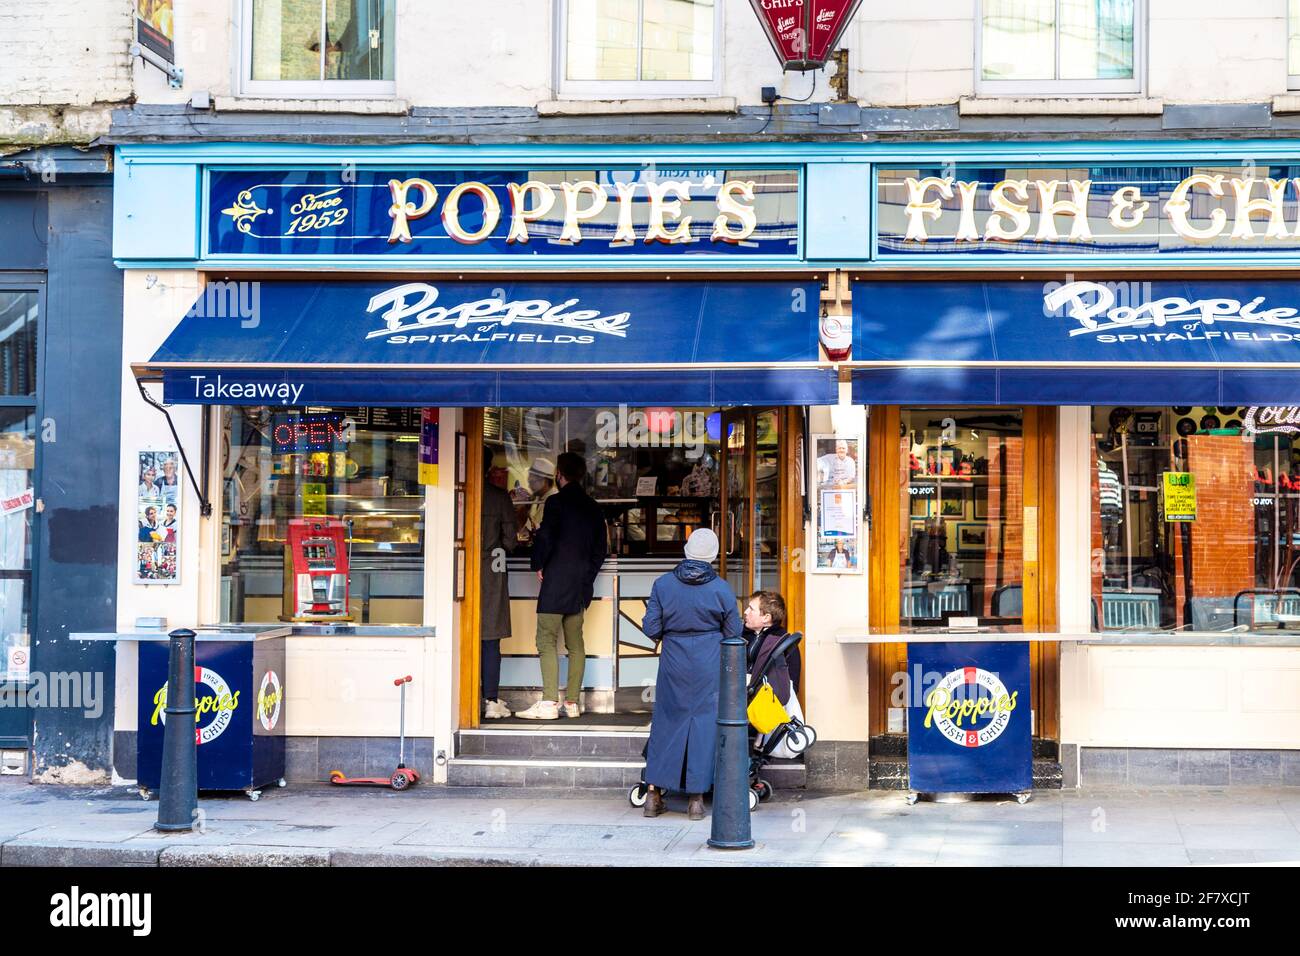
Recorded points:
(549, 627)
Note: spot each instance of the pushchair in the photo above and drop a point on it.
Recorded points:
(790, 739)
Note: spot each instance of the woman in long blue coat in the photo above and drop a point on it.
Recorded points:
(690, 610)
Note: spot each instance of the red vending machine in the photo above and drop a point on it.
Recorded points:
(316, 571)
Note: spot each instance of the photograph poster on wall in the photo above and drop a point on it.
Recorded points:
(838, 501)
(158, 517)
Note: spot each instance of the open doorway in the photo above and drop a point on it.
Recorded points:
(657, 475)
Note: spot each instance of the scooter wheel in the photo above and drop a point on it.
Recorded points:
(337, 776)
(637, 795)
(796, 740)
(753, 800)
(763, 789)
(399, 781)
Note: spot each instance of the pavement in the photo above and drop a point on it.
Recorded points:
(427, 825)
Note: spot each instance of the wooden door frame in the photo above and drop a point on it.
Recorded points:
(794, 562)
(471, 648)
(792, 537)
(1040, 591)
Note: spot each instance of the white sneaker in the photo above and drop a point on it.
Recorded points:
(571, 709)
(495, 709)
(542, 710)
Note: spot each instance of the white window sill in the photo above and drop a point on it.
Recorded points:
(683, 104)
(1287, 103)
(1060, 106)
(266, 104)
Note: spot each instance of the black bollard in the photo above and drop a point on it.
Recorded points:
(731, 764)
(178, 792)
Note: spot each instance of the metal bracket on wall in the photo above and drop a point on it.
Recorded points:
(205, 506)
(175, 74)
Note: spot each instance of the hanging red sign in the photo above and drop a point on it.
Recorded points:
(803, 33)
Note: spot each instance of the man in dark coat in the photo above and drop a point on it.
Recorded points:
(498, 537)
(690, 611)
(568, 551)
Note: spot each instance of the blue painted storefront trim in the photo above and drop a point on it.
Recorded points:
(170, 232)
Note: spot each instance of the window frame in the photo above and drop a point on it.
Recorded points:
(632, 89)
(1292, 28)
(37, 284)
(320, 89)
(1056, 87)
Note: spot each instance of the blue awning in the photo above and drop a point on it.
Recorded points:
(1201, 342)
(497, 343)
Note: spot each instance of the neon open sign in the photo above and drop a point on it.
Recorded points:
(308, 433)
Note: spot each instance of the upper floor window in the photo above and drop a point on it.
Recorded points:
(318, 48)
(1060, 47)
(1293, 44)
(621, 48)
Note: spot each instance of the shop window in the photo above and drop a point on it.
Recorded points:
(1060, 47)
(1195, 520)
(358, 466)
(619, 48)
(1293, 44)
(18, 327)
(655, 471)
(17, 464)
(963, 510)
(314, 48)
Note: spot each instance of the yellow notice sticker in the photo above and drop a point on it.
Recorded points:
(1180, 495)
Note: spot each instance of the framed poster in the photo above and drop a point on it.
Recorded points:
(460, 516)
(462, 458)
(972, 540)
(460, 574)
(838, 503)
(158, 517)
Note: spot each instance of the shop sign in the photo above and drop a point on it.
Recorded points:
(428, 466)
(21, 502)
(308, 433)
(969, 723)
(351, 212)
(215, 704)
(270, 695)
(1179, 495)
(1264, 419)
(804, 32)
(1117, 210)
(154, 27)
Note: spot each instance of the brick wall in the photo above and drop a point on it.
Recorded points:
(1004, 559)
(62, 64)
(64, 52)
(1223, 534)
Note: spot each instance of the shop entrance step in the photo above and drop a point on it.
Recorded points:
(590, 758)
(546, 741)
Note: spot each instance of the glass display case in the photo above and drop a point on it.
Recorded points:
(359, 465)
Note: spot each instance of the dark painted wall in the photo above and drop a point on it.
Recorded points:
(75, 573)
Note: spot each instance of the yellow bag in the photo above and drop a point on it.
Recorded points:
(765, 711)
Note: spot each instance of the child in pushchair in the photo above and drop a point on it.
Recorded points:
(773, 658)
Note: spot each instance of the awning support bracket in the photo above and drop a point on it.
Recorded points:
(205, 506)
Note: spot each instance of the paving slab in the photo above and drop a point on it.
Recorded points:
(319, 825)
